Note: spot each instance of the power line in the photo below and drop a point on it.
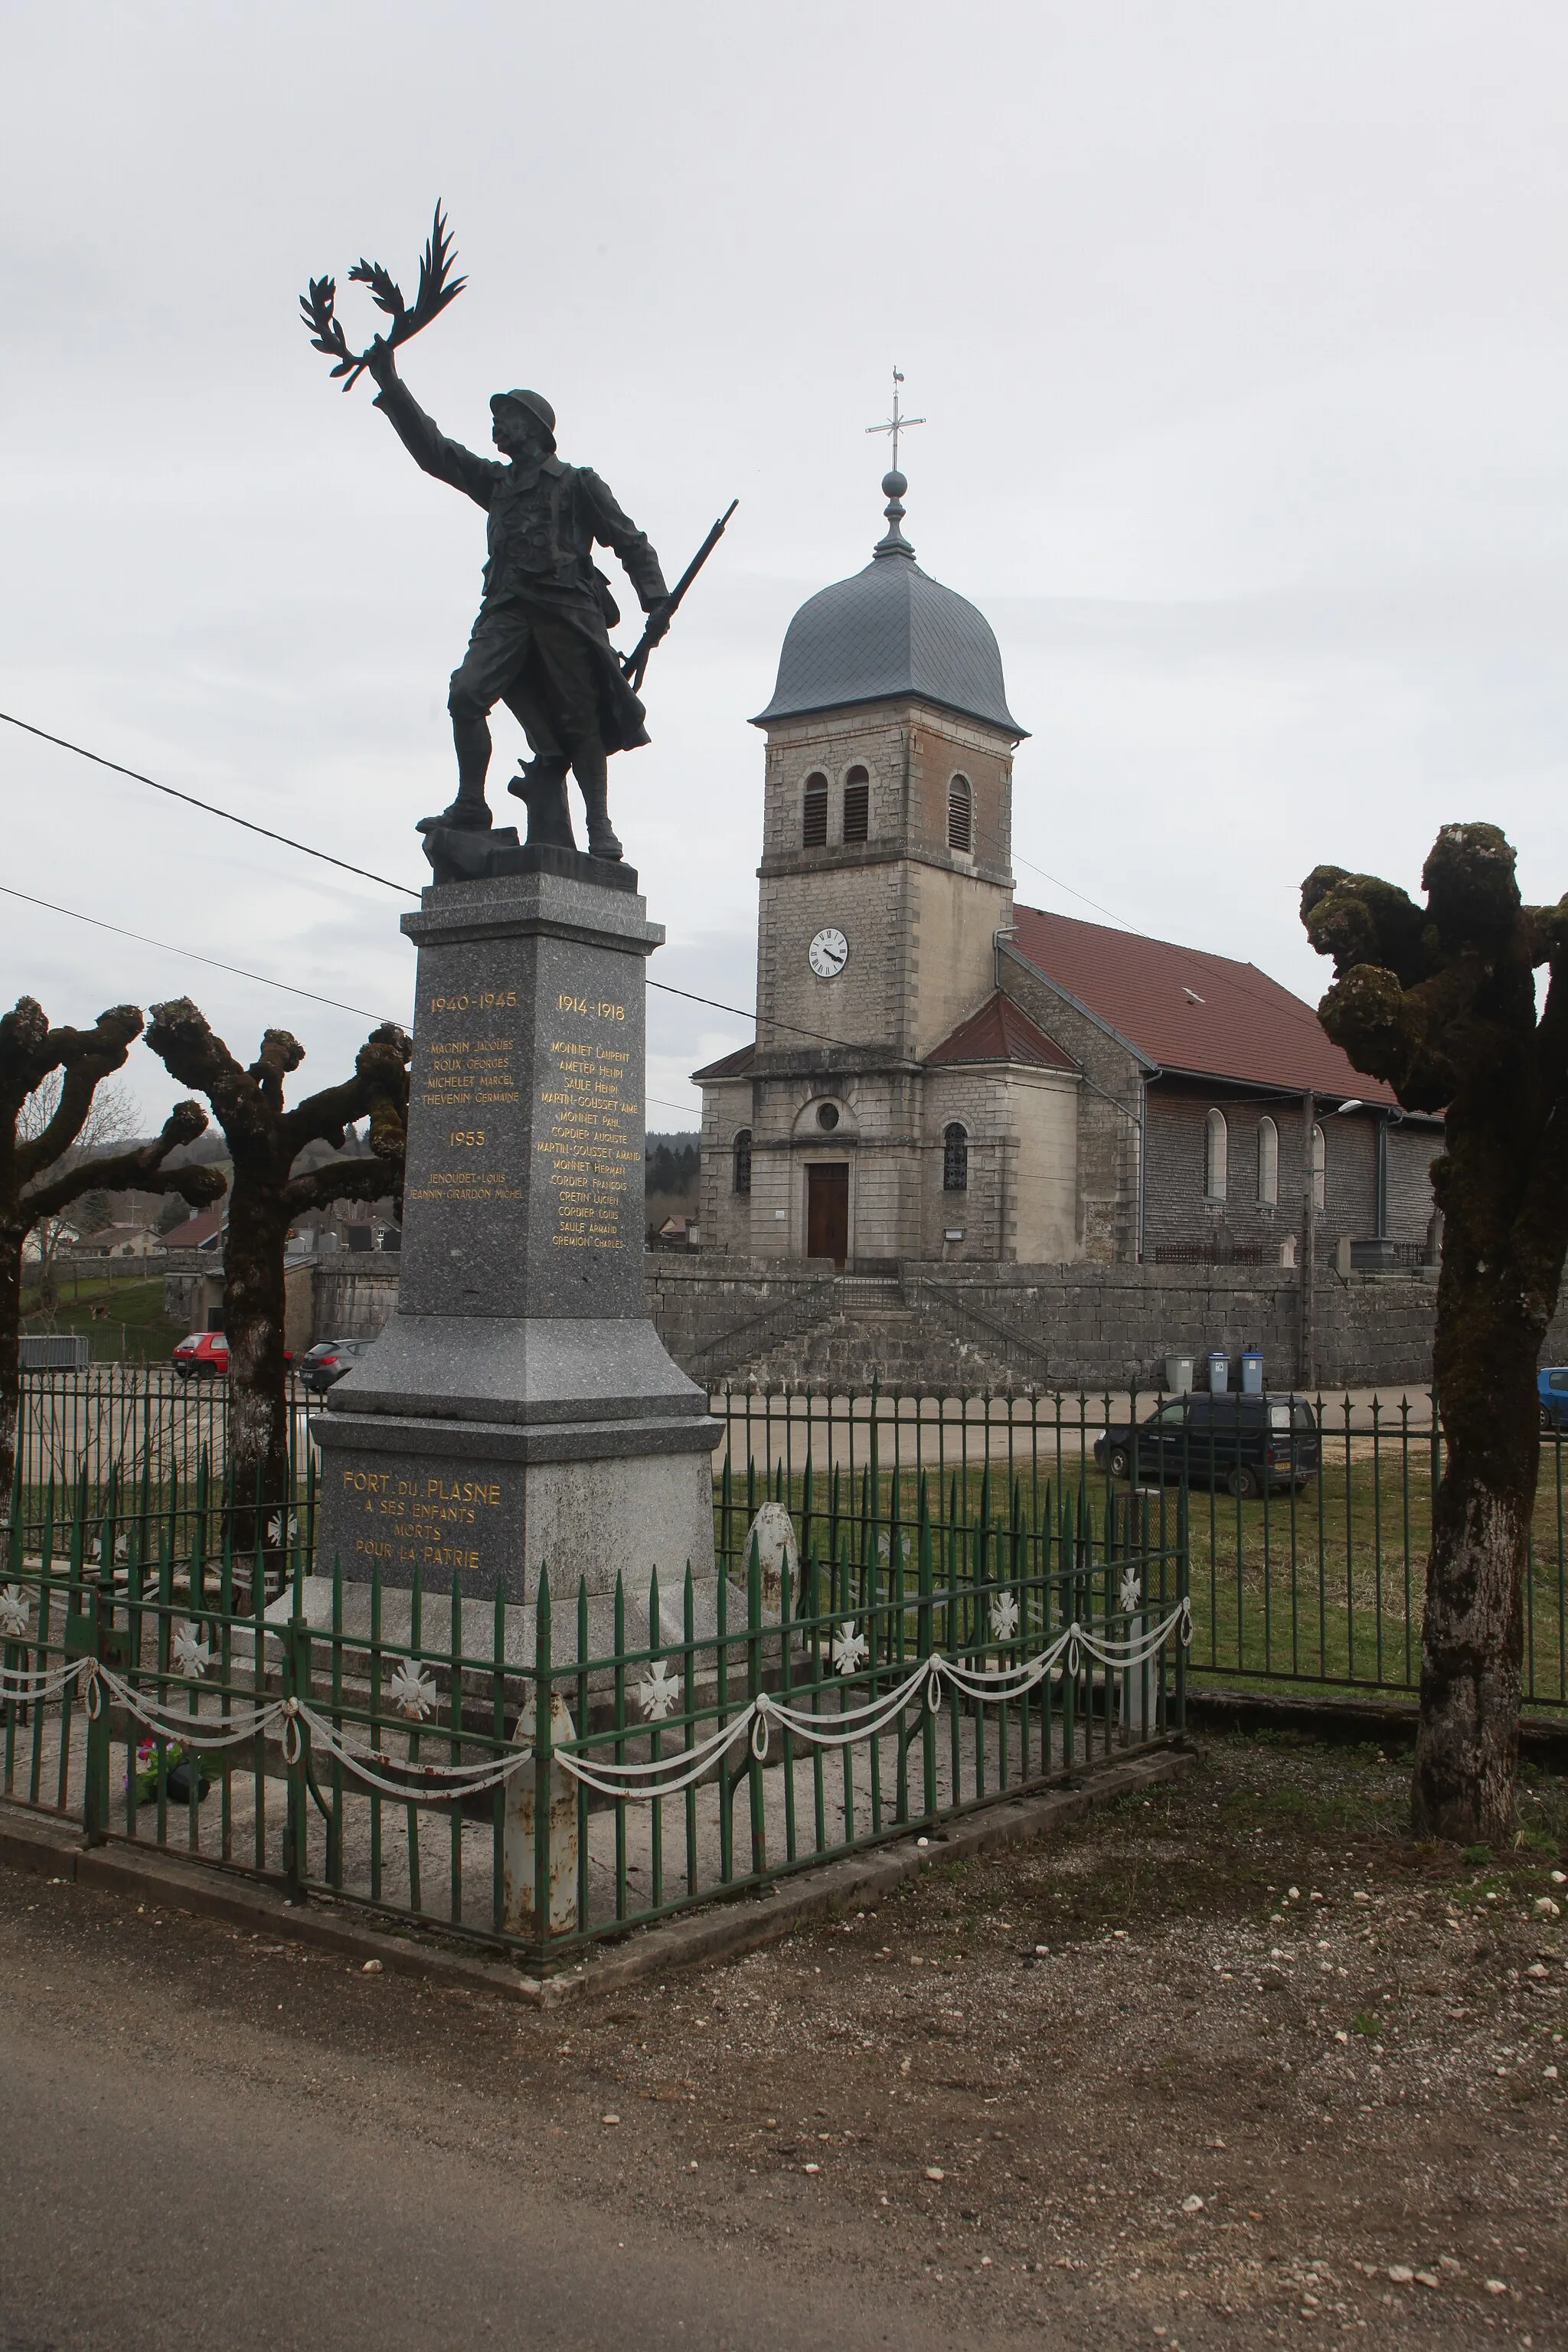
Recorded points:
(266, 978)
(1202, 957)
(208, 809)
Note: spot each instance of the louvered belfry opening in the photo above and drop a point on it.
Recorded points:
(856, 805)
(813, 814)
(960, 815)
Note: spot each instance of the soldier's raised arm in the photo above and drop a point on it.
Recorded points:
(449, 461)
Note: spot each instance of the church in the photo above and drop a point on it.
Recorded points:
(943, 1075)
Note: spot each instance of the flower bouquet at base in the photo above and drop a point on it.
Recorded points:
(182, 1773)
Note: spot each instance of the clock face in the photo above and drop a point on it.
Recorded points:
(829, 953)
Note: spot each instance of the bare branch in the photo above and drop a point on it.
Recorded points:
(139, 1170)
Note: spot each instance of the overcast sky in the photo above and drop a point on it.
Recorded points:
(1239, 330)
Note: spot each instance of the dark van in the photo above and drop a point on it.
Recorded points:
(1242, 1442)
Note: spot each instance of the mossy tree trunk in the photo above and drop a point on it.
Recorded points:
(266, 1196)
(1440, 1004)
(42, 1173)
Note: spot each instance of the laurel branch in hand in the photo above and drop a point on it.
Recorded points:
(318, 307)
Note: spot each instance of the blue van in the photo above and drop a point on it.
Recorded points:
(1551, 1388)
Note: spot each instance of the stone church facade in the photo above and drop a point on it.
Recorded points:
(943, 1076)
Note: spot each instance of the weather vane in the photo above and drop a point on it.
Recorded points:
(896, 423)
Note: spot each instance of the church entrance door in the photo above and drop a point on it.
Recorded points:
(827, 1211)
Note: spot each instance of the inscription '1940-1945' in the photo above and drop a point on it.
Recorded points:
(427, 1520)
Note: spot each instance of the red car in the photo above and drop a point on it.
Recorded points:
(203, 1354)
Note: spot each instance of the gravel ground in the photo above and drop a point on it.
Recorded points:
(1235, 2062)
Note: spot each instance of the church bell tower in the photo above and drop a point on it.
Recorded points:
(885, 879)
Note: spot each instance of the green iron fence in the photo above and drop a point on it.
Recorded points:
(1316, 1579)
(1310, 1570)
(556, 1770)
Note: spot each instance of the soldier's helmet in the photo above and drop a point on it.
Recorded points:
(533, 401)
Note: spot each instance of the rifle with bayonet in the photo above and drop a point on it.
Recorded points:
(635, 662)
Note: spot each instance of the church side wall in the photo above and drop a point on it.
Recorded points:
(1176, 1214)
(1107, 1212)
(1045, 1111)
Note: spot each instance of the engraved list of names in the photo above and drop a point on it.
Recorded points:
(588, 1122)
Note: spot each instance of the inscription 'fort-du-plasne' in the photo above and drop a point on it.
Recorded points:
(417, 1519)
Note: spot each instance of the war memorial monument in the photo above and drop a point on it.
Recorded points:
(520, 1410)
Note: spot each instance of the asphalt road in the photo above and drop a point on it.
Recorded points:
(209, 2146)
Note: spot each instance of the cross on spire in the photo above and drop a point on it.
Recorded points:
(897, 423)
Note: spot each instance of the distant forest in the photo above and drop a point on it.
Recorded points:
(672, 1162)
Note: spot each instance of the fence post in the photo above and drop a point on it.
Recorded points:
(543, 1690)
(296, 1685)
(98, 1644)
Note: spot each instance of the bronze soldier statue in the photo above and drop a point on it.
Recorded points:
(540, 643)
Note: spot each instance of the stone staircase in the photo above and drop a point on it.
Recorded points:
(908, 1338)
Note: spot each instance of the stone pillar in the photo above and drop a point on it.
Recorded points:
(520, 1410)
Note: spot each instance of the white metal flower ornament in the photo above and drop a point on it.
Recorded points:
(16, 1609)
(1131, 1590)
(849, 1649)
(658, 1692)
(188, 1653)
(1003, 1617)
(275, 1532)
(412, 1693)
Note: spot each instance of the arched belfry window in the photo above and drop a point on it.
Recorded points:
(1268, 1162)
(955, 1158)
(856, 805)
(1319, 1169)
(744, 1160)
(960, 815)
(1216, 1156)
(813, 814)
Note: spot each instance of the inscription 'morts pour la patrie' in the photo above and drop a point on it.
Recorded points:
(429, 1522)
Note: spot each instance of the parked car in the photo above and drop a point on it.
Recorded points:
(328, 1360)
(202, 1355)
(1551, 1388)
(1243, 1443)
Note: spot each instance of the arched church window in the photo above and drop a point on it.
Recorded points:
(960, 815)
(1216, 1156)
(955, 1158)
(1319, 1169)
(744, 1160)
(813, 814)
(1268, 1162)
(856, 805)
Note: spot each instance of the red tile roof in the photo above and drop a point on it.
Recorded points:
(1190, 1011)
(196, 1229)
(1000, 1032)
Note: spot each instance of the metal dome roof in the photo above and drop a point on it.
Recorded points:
(891, 630)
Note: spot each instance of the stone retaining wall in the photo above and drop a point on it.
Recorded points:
(1037, 1326)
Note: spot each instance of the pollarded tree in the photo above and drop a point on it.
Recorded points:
(49, 1079)
(1440, 1003)
(268, 1193)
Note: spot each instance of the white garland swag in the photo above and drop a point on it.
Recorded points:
(664, 1776)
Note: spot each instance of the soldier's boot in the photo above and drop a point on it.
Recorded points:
(591, 768)
(541, 785)
(470, 811)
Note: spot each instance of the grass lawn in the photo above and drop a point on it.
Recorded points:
(124, 1320)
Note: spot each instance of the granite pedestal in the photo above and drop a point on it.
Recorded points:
(520, 1410)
